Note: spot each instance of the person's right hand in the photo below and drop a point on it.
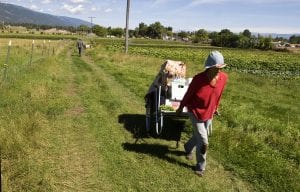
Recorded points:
(217, 113)
(179, 111)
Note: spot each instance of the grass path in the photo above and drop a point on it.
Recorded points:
(86, 122)
(79, 157)
(70, 154)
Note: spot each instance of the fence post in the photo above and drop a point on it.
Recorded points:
(6, 60)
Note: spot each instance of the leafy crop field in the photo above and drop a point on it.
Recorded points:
(269, 63)
(70, 123)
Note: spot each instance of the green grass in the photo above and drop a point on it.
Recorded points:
(26, 98)
(72, 123)
(261, 140)
(35, 36)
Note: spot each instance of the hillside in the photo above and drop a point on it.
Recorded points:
(10, 13)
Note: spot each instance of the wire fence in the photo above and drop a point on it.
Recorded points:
(18, 53)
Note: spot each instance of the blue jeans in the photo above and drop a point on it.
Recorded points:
(198, 140)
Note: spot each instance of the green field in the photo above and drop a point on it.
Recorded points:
(70, 123)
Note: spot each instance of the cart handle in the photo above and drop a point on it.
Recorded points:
(158, 100)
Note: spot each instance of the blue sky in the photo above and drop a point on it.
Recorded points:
(263, 16)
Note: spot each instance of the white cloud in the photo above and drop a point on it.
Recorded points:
(160, 2)
(108, 10)
(73, 9)
(198, 2)
(78, 1)
(50, 10)
(46, 1)
(33, 7)
(94, 9)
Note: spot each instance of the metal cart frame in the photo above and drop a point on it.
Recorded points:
(155, 115)
(159, 91)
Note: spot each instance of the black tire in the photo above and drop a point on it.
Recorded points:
(159, 123)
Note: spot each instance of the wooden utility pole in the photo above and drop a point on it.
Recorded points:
(127, 23)
(92, 23)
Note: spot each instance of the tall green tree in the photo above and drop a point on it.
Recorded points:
(169, 31)
(294, 39)
(183, 34)
(142, 30)
(118, 32)
(155, 30)
(247, 33)
(83, 28)
(225, 37)
(100, 31)
(245, 39)
(200, 36)
(264, 42)
(244, 42)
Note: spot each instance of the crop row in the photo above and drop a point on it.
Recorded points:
(269, 63)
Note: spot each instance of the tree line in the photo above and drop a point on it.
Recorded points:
(224, 38)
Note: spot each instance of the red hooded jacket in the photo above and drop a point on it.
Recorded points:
(201, 98)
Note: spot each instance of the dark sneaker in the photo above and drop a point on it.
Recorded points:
(199, 173)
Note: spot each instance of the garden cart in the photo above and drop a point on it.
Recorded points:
(165, 94)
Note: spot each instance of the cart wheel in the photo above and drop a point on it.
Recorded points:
(159, 123)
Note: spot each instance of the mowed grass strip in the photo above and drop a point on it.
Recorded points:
(151, 164)
(75, 155)
(46, 144)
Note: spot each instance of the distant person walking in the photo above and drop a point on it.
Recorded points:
(202, 100)
(80, 46)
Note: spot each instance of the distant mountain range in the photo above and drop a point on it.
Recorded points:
(10, 13)
(274, 35)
